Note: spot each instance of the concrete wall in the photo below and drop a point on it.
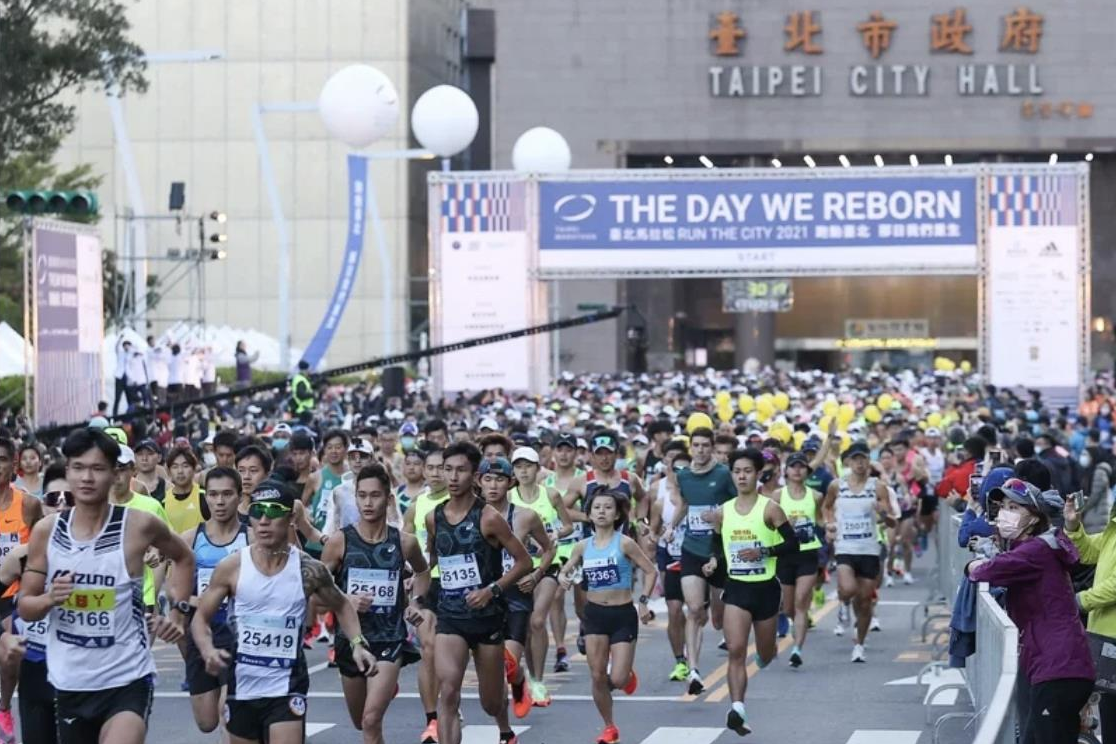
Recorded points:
(195, 125)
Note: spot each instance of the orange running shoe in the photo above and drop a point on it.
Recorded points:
(633, 683)
(511, 666)
(610, 735)
(430, 733)
(521, 700)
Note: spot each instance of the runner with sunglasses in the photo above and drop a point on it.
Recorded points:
(369, 559)
(23, 644)
(270, 583)
(212, 541)
(98, 645)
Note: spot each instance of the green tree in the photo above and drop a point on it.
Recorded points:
(51, 47)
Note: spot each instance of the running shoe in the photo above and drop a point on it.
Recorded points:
(809, 621)
(888, 580)
(540, 696)
(561, 660)
(521, 699)
(7, 726)
(680, 672)
(581, 642)
(633, 683)
(430, 733)
(758, 661)
(908, 578)
(696, 685)
(185, 686)
(819, 597)
(723, 645)
(783, 625)
(736, 722)
(858, 654)
(838, 629)
(511, 666)
(610, 735)
(508, 737)
(875, 624)
(308, 639)
(796, 657)
(331, 658)
(843, 614)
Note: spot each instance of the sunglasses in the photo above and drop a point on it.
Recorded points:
(54, 499)
(268, 509)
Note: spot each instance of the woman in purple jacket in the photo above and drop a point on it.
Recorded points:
(1054, 653)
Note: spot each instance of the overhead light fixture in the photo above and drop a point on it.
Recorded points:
(776, 163)
(844, 160)
(879, 161)
(705, 161)
(1053, 158)
(219, 217)
(218, 238)
(668, 160)
(914, 160)
(1088, 157)
(948, 159)
(809, 160)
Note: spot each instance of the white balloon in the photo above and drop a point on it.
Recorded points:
(541, 150)
(358, 105)
(445, 120)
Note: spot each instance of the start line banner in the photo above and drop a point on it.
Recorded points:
(737, 224)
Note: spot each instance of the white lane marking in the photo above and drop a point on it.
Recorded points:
(867, 736)
(318, 667)
(486, 734)
(934, 680)
(675, 734)
(466, 696)
(317, 728)
(897, 603)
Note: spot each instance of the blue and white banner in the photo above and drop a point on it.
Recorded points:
(739, 224)
(354, 246)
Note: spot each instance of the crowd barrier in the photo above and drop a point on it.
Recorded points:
(989, 674)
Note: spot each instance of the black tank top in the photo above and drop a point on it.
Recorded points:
(160, 492)
(466, 562)
(376, 569)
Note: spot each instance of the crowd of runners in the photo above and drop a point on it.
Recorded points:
(483, 530)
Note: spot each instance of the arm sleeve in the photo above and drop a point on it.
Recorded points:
(789, 544)
(1014, 567)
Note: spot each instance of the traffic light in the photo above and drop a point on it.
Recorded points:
(31, 201)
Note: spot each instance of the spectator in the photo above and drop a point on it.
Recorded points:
(1098, 549)
(208, 371)
(1063, 471)
(1054, 654)
(955, 481)
(123, 353)
(139, 394)
(1097, 483)
(174, 374)
(244, 362)
(975, 521)
(157, 369)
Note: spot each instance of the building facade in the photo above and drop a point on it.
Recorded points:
(745, 83)
(195, 125)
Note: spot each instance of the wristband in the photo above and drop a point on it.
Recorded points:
(358, 641)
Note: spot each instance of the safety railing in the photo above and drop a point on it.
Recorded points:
(992, 670)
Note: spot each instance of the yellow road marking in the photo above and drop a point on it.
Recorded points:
(752, 669)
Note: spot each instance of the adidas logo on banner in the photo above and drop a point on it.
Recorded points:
(1050, 249)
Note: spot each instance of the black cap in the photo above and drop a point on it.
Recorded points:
(520, 437)
(566, 440)
(274, 491)
(147, 444)
(855, 449)
(798, 458)
(301, 441)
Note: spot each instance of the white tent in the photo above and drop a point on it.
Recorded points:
(12, 352)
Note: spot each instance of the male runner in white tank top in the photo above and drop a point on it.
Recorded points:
(98, 647)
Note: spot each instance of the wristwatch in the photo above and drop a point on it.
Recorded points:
(644, 599)
(182, 606)
(497, 592)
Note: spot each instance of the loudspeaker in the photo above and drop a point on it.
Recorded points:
(392, 380)
(177, 195)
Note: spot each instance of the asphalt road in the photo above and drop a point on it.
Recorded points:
(829, 700)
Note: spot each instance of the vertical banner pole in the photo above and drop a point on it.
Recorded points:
(28, 321)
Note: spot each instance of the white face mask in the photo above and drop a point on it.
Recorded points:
(1012, 524)
(210, 459)
(1085, 460)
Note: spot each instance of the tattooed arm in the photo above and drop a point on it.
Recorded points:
(318, 582)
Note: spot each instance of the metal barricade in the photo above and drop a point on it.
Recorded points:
(992, 671)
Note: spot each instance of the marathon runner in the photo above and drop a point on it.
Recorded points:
(414, 522)
(564, 473)
(98, 647)
(184, 504)
(268, 586)
(548, 504)
(705, 486)
(212, 541)
(752, 531)
(414, 479)
(668, 554)
(370, 559)
(465, 539)
(495, 480)
(148, 459)
(797, 572)
(608, 558)
(23, 644)
(852, 508)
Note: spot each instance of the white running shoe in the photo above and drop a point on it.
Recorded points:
(838, 629)
(875, 624)
(858, 654)
(888, 580)
(908, 578)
